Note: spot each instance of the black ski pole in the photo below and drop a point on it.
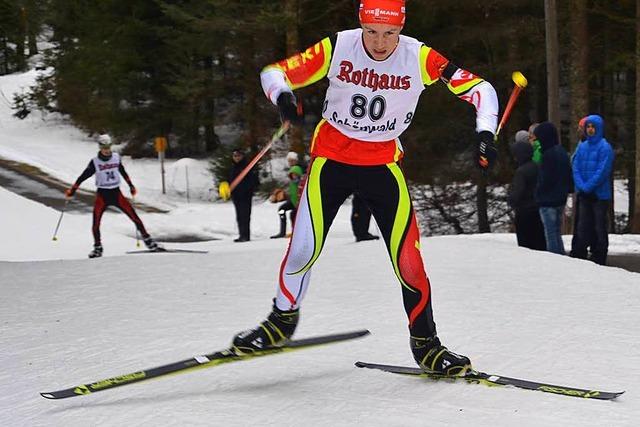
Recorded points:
(55, 233)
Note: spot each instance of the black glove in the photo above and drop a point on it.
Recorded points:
(486, 152)
(288, 108)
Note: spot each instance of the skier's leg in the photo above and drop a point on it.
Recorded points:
(325, 190)
(123, 204)
(385, 191)
(327, 187)
(98, 209)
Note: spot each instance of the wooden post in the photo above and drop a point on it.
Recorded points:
(186, 172)
(161, 147)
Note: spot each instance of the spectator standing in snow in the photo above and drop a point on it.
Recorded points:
(554, 184)
(582, 136)
(242, 195)
(592, 168)
(521, 196)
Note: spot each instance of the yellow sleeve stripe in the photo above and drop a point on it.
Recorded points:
(426, 79)
(460, 89)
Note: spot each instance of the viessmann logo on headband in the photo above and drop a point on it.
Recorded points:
(381, 13)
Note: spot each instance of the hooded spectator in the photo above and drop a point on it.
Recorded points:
(592, 168)
(521, 198)
(554, 184)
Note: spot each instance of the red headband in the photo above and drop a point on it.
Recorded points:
(382, 12)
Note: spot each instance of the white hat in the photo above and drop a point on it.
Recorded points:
(104, 140)
(292, 155)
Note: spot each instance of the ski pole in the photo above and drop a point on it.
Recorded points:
(225, 188)
(520, 83)
(55, 233)
(133, 204)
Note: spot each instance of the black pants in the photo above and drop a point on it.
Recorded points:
(243, 214)
(529, 229)
(592, 230)
(360, 217)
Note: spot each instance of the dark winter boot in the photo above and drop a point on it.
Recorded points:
(436, 358)
(96, 252)
(367, 236)
(273, 332)
(283, 227)
(152, 245)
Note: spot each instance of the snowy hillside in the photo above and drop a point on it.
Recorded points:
(66, 320)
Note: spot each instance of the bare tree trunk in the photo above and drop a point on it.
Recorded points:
(211, 140)
(481, 205)
(552, 54)
(21, 61)
(635, 221)
(32, 30)
(293, 46)
(4, 56)
(578, 68)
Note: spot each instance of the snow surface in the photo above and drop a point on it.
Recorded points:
(67, 320)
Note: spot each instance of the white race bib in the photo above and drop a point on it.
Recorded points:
(372, 100)
(107, 174)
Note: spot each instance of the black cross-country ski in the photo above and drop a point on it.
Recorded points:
(204, 361)
(166, 250)
(496, 380)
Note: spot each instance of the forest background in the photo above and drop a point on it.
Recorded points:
(189, 71)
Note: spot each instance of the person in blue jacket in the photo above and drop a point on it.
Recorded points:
(553, 186)
(592, 168)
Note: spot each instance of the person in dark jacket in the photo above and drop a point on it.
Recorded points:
(592, 167)
(242, 195)
(521, 197)
(554, 184)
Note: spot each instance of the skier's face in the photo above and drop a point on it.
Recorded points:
(105, 151)
(380, 40)
(590, 129)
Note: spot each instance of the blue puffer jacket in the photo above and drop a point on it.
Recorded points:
(593, 162)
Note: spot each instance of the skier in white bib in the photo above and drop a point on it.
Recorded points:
(375, 79)
(107, 168)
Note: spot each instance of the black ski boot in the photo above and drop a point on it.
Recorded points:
(152, 245)
(96, 252)
(273, 332)
(433, 357)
